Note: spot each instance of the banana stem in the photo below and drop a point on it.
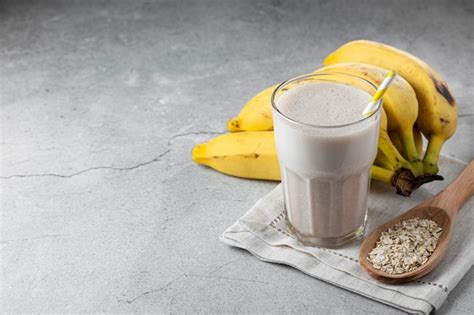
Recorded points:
(402, 179)
(430, 160)
(393, 157)
(410, 152)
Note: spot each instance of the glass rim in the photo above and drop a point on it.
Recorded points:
(284, 83)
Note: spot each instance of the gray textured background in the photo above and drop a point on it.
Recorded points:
(101, 103)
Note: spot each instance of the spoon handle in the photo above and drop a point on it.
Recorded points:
(453, 197)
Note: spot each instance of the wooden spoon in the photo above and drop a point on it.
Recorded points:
(442, 209)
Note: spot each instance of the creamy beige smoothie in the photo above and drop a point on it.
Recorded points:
(325, 149)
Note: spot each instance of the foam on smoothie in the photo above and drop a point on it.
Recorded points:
(324, 104)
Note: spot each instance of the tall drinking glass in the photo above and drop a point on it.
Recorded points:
(325, 168)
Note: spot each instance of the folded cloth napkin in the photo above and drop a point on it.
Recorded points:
(263, 231)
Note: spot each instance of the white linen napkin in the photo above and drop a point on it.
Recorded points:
(263, 231)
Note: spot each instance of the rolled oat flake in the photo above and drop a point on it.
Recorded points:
(406, 246)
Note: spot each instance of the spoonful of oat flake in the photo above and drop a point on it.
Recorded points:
(414, 243)
(406, 246)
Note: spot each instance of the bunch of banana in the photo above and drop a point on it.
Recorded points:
(252, 154)
(437, 117)
(418, 100)
(400, 105)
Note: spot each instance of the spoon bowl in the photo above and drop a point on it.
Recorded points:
(442, 209)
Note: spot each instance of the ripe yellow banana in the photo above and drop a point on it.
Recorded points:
(400, 105)
(437, 115)
(416, 135)
(242, 154)
(256, 114)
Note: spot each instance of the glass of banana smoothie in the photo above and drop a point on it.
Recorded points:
(325, 149)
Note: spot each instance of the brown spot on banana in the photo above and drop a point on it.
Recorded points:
(444, 121)
(250, 156)
(442, 89)
(236, 124)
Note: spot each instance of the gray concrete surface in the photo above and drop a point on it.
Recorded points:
(101, 103)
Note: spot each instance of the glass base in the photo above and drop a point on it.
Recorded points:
(313, 241)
